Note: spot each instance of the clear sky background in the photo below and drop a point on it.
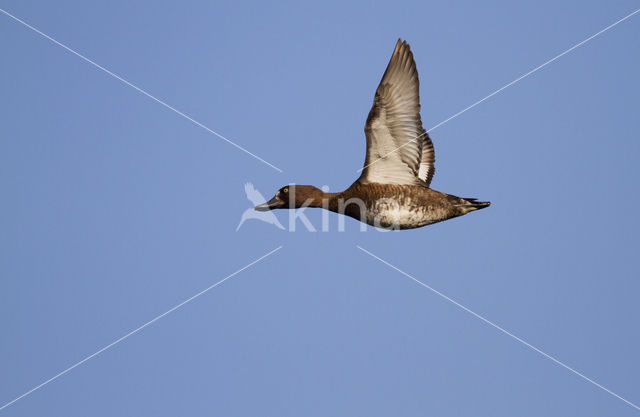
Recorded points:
(115, 209)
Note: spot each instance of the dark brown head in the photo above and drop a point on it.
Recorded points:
(294, 196)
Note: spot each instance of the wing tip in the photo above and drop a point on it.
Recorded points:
(402, 57)
(402, 44)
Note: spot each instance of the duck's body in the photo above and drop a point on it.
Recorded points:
(389, 206)
(404, 206)
(393, 190)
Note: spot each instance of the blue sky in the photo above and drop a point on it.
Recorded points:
(116, 209)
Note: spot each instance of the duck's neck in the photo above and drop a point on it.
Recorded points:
(343, 202)
(320, 199)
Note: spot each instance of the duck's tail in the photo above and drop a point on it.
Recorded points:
(472, 204)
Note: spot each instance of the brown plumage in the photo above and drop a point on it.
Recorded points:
(393, 189)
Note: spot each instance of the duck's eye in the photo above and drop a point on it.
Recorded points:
(285, 190)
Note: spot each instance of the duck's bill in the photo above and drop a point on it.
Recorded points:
(274, 203)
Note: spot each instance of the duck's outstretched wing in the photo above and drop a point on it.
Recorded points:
(399, 151)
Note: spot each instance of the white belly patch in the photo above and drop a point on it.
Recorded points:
(388, 213)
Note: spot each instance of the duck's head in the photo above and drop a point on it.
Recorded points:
(293, 196)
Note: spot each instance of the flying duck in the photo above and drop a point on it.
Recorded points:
(392, 191)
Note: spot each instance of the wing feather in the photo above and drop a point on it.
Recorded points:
(398, 149)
